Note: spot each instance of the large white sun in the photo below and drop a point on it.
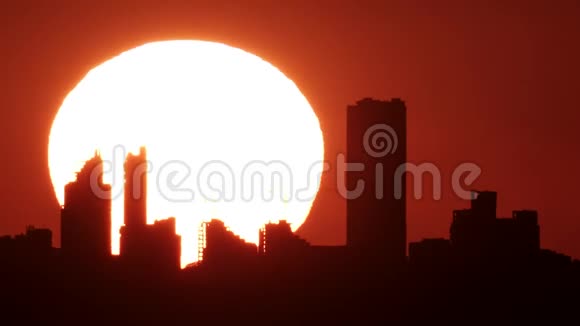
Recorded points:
(227, 134)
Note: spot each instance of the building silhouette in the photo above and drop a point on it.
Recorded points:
(491, 268)
(145, 246)
(222, 248)
(156, 246)
(478, 237)
(135, 187)
(135, 206)
(376, 217)
(277, 240)
(477, 234)
(86, 214)
(35, 243)
(279, 247)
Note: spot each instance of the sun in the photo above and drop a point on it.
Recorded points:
(228, 136)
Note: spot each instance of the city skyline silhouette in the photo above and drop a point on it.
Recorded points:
(479, 79)
(447, 134)
(482, 250)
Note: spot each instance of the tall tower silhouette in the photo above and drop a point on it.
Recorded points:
(152, 247)
(136, 189)
(135, 209)
(376, 216)
(86, 214)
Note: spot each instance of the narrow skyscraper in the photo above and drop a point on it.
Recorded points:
(135, 204)
(376, 201)
(136, 189)
(155, 247)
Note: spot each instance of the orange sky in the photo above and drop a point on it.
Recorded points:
(492, 84)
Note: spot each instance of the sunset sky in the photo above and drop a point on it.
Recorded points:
(496, 85)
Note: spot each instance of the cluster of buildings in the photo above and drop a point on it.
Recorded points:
(478, 238)
(376, 225)
(376, 230)
(86, 219)
(35, 242)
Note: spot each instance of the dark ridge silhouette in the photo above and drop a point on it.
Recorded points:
(489, 270)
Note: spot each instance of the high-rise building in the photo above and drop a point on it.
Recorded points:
(153, 246)
(136, 188)
(86, 213)
(376, 201)
(135, 204)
